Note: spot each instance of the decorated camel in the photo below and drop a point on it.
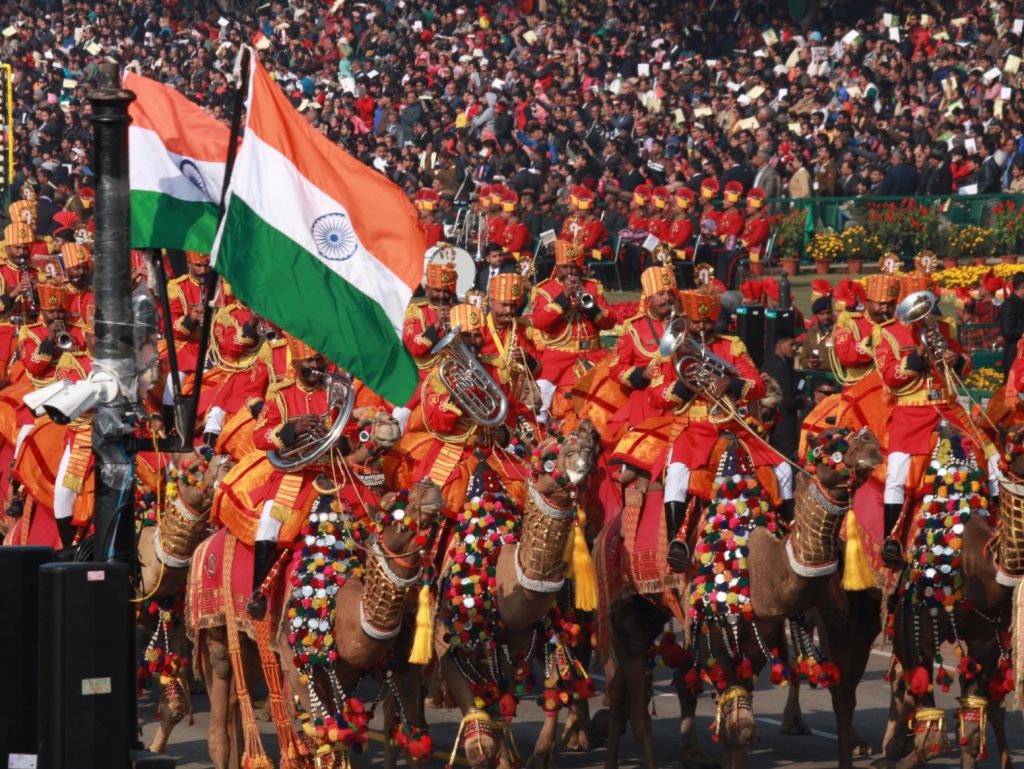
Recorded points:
(956, 587)
(165, 549)
(742, 587)
(497, 591)
(335, 612)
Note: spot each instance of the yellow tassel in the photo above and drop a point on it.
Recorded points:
(857, 574)
(581, 567)
(423, 640)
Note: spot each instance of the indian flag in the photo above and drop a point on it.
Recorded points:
(323, 246)
(176, 154)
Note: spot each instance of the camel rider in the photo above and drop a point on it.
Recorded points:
(77, 258)
(444, 437)
(17, 282)
(506, 349)
(634, 362)
(697, 412)
(569, 312)
(426, 321)
(852, 339)
(295, 412)
(920, 373)
(426, 202)
(186, 297)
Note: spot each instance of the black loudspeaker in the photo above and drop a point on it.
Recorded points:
(750, 329)
(774, 321)
(19, 648)
(84, 666)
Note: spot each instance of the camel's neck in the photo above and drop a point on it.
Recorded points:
(1011, 530)
(547, 528)
(818, 516)
(392, 570)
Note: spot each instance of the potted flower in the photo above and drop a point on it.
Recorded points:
(971, 242)
(859, 246)
(1008, 230)
(790, 228)
(824, 248)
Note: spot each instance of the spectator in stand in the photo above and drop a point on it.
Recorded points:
(1011, 321)
(989, 173)
(800, 177)
(900, 179)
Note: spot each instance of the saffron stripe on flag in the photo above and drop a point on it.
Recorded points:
(296, 290)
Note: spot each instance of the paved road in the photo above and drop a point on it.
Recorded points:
(816, 751)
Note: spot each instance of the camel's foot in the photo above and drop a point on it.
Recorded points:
(575, 738)
(694, 758)
(859, 746)
(541, 761)
(599, 730)
(794, 724)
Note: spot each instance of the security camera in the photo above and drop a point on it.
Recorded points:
(69, 401)
(35, 399)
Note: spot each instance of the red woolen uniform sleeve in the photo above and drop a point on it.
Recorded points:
(439, 413)
(419, 318)
(756, 232)
(228, 329)
(625, 360)
(546, 311)
(680, 231)
(267, 434)
(38, 363)
(179, 312)
(515, 237)
(594, 235)
(604, 320)
(849, 351)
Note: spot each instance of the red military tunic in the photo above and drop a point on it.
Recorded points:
(235, 336)
(638, 221)
(755, 234)
(184, 293)
(700, 428)
(730, 223)
(851, 343)
(660, 227)
(503, 351)
(82, 305)
(921, 398)
(589, 232)
(567, 334)
(634, 352)
(496, 230)
(433, 232)
(514, 236)
(44, 361)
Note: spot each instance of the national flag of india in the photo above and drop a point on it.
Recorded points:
(176, 155)
(320, 244)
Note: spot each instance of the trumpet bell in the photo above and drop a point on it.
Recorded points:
(915, 307)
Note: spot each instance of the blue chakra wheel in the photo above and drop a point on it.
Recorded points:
(191, 172)
(334, 237)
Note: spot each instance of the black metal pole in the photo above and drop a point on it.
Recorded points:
(115, 346)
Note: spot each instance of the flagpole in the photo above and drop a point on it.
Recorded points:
(187, 430)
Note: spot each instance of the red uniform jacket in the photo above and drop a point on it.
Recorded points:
(852, 343)
(44, 362)
(755, 234)
(294, 400)
(634, 351)
(591, 233)
(730, 223)
(567, 333)
(183, 294)
(514, 236)
(432, 231)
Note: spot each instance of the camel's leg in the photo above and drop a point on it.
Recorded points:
(408, 681)
(792, 716)
(997, 717)
(217, 676)
(576, 735)
(544, 749)
(618, 712)
(174, 698)
(690, 755)
(480, 749)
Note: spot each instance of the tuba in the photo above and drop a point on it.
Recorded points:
(468, 383)
(916, 309)
(341, 396)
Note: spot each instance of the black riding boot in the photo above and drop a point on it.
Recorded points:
(263, 557)
(210, 439)
(678, 552)
(786, 510)
(892, 549)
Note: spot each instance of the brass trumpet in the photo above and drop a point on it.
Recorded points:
(468, 383)
(584, 299)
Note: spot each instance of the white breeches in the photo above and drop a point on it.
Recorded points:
(547, 394)
(784, 475)
(270, 528)
(63, 497)
(214, 420)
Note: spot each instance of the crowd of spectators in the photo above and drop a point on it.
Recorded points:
(894, 99)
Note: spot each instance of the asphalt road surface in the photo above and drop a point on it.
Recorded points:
(815, 751)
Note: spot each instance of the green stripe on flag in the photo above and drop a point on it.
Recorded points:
(164, 221)
(282, 281)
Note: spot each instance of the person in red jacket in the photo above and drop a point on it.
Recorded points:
(923, 391)
(506, 350)
(583, 228)
(699, 434)
(660, 220)
(852, 339)
(514, 233)
(426, 202)
(569, 313)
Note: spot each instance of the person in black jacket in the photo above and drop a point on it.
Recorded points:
(1011, 322)
(785, 434)
(990, 175)
(496, 261)
(939, 177)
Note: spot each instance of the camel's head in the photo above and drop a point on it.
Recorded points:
(561, 464)
(203, 475)
(481, 739)
(1013, 452)
(838, 454)
(381, 429)
(407, 516)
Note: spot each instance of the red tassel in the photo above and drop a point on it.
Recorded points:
(920, 681)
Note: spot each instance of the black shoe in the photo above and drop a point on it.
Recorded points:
(257, 606)
(16, 507)
(892, 553)
(678, 557)
(210, 439)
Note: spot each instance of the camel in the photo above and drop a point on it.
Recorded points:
(367, 613)
(527, 577)
(785, 577)
(165, 552)
(973, 612)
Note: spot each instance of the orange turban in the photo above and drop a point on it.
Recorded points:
(701, 305)
(505, 287)
(655, 279)
(299, 350)
(469, 316)
(881, 288)
(441, 275)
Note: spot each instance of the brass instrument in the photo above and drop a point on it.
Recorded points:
(481, 233)
(64, 340)
(310, 448)
(695, 365)
(468, 383)
(267, 333)
(917, 308)
(584, 299)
